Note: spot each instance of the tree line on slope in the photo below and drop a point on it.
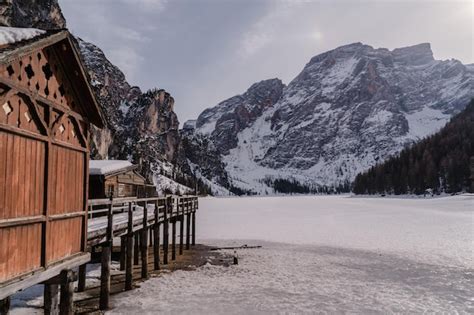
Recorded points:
(438, 163)
(292, 186)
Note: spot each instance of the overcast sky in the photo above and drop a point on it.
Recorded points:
(204, 51)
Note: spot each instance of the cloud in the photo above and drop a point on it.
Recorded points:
(263, 31)
(146, 5)
(128, 60)
(129, 34)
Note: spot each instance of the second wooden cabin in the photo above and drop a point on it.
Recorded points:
(117, 178)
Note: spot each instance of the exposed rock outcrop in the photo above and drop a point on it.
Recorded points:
(45, 14)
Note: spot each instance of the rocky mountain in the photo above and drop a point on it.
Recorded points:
(440, 163)
(140, 126)
(44, 14)
(349, 108)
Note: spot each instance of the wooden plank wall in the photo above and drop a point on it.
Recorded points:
(22, 163)
(66, 196)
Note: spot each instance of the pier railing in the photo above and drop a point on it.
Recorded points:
(138, 222)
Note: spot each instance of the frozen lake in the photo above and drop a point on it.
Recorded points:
(325, 254)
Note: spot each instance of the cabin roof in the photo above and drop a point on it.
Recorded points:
(16, 42)
(107, 167)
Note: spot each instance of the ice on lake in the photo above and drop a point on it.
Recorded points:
(330, 254)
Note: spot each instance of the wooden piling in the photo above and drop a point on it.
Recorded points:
(51, 299)
(136, 248)
(5, 306)
(181, 229)
(123, 251)
(173, 240)
(156, 240)
(66, 304)
(150, 237)
(166, 231)
(105, 277)
(193, 223)
(81, 285)
(144, 243)
(105, 261)
(188, 229)
(129, 254)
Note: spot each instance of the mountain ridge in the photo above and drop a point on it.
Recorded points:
(348, 108)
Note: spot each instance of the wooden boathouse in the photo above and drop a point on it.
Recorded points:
(46, 108)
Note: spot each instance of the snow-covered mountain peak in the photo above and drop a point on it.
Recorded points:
(349, 108)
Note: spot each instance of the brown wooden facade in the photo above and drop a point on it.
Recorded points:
(46, 107)
(121, 183)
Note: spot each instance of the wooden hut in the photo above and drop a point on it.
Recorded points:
(46, 108)
(117, 178)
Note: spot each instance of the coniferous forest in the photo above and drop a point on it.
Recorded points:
(438, 163)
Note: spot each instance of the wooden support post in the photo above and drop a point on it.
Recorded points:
(166, 231)
(156, 240)
(193, 223)
(105, 277)
(51, 299)
(123, 251)
(150, 237)
(5, 306)
(105, 261)
(144, 243)
(81, 285)
(128, 260)
(136, 248)
(181, 229)
(188, 229)
(66, 304)
(173, 240)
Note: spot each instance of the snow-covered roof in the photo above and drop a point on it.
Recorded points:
(11, 35)
(104, 167)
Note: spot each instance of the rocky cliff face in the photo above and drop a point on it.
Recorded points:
(141, 127)
(348, 109)
(45, 14)
(224, 121)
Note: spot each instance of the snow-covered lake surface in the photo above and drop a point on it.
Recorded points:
(331, 254)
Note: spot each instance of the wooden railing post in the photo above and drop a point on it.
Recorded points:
(144, 244)
(156, 235)
(166, 231)
(181, 228)
(105, 261)
(128, 260)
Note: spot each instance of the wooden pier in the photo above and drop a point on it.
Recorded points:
(138, 224)
(142, 226)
